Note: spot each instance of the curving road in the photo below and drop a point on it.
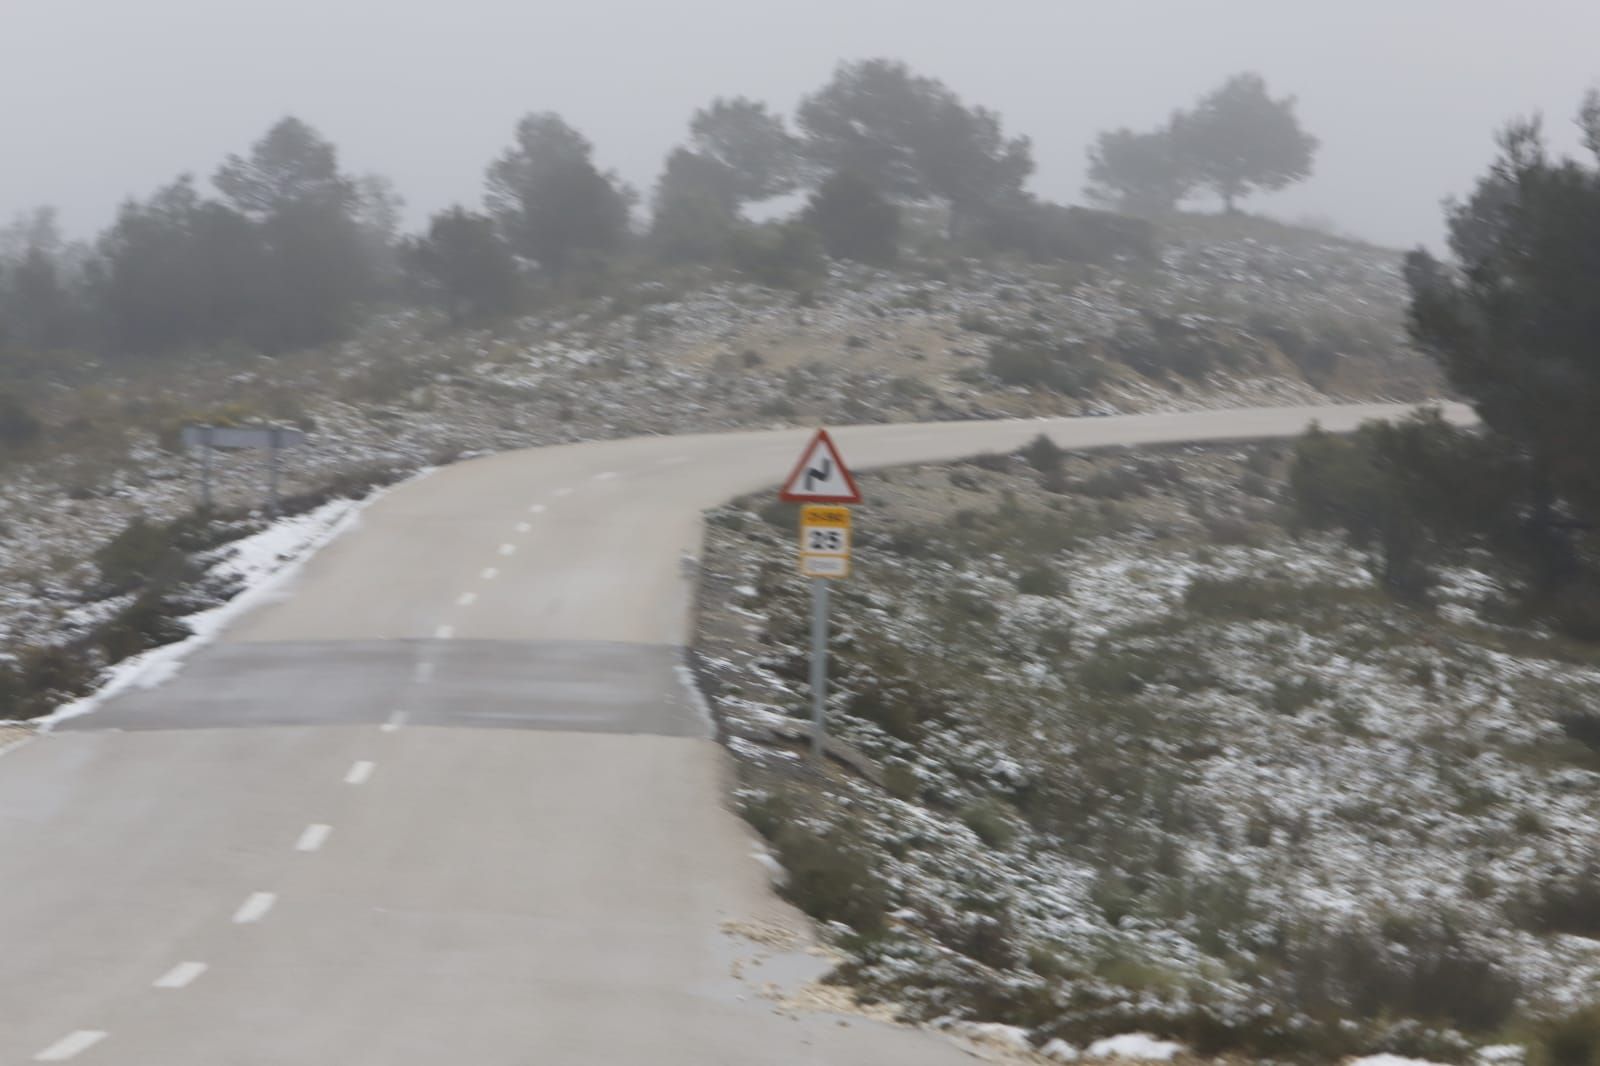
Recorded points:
(448, 801)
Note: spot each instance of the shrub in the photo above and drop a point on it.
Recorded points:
(1292, 697)
(1258, 598)
(1043, 455)
(46, 676)
(893, 707)
(1129, 671)
(779, 255)
(148, 622)
(1118, 483)
(18, 426)
(1568, 904)
(1570, 1040)
(1049, 231)
(1417, 967)
(1582, 725)
(768, 813)
(831, 881)
(143, 553)
(991, 822)
(1040, 581)
(902, 782)
(1067, 369)
(1165, 345)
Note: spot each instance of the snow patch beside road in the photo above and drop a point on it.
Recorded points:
(263, 564)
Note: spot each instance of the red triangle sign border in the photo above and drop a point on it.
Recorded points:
(826, 441)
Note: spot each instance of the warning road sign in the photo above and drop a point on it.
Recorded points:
(821, 476)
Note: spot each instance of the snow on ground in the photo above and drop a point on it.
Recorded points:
(260, 566)
(1142, 1047)
(1151, 756)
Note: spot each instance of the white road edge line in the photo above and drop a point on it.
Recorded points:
(360, 772)
(466, 599)
(489, 573)
(563, 492)
(523, 527)
(536, 508)
(606, 475)
(313, 837)
(673, 460)
(444, 632)
(395, 720)
(508, 549)
(70, 1046)
(181, 975)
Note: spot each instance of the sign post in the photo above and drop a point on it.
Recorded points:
(821, 478)
(237, 438)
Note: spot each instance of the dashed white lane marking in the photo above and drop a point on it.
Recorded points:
(423, 673)
(313, 837)
(444, 632)
(70, 1046)
(536, 508)
(489, 573)
(606, 475)
(395, 720)
(181, 975)
(508, 549)
(360, 772)
(466, 599)
(563, 492)
(255, 908)
(523, 527)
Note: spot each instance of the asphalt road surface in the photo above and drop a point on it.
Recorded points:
(447, 800)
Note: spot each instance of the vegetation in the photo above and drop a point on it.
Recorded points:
(1238, 140)
(1139, 774)
(286, 250)
(1512, 323)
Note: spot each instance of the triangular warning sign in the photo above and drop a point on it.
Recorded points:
(821, 476)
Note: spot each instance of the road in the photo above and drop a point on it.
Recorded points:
(448, 800)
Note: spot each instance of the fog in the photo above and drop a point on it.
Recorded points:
(110, 98)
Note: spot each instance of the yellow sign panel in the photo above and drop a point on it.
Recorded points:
(818, 515)
(824, 541)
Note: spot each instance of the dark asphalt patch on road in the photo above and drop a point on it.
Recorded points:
(553, 685)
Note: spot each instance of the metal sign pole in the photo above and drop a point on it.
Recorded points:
(205, 470)
(819, 664)
(272, 474)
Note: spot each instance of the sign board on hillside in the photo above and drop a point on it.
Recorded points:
(824, 541)
(821, 475)
(240, 438)
(270, 439)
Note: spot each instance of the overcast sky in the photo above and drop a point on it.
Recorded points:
(102, 99)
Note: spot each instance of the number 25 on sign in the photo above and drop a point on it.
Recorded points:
(824, 541)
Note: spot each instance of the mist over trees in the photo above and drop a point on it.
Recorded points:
(1237, 141)
(913, 139)
(283, 248)
(552, 204)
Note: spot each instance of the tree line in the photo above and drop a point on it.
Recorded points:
(283, 248)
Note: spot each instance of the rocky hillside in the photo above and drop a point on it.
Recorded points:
(1221, 313)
